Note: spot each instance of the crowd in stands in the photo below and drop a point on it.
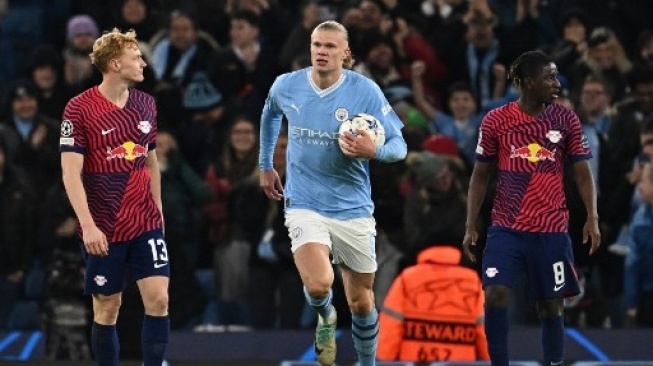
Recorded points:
(442, 65)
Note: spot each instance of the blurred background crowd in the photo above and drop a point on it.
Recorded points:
(442, 65)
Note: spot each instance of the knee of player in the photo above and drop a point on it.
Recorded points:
(106, 307)
(550, 308)
(319, 287)
(497, 296)
(157, 304)
(361, 305)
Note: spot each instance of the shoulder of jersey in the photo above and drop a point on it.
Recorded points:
(141, 94)
(301, 73)
(364, 81)
(562, 111)
(560, 108)
(498, 110)
(82, 98)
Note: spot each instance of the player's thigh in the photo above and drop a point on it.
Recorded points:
(105, 275)
(551, 267)
(148, 256)
(504, 257)
(354, 243)
(311, 246)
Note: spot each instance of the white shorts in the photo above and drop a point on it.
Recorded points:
(352, 242)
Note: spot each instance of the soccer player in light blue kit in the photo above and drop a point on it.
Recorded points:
(327, 194)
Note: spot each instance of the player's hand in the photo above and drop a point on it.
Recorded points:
(591, 231)
(95, 241)
(271, 184)
(471, 236)
(361, 146)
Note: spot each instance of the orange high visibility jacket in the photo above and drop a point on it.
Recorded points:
(434, 312)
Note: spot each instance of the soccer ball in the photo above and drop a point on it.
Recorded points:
(364, 121)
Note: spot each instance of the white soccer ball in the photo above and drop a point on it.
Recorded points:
(367, 122)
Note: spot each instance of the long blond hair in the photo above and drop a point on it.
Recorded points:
(621, 60)
(332, 25)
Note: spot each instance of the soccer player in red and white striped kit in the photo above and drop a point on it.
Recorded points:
(111, 175)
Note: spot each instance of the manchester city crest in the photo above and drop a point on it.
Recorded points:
(341, 114)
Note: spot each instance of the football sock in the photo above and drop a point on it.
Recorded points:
(155, 339)
(104, 340)
(496, 331)
(322, 306)
(365, 332)
(553, 340)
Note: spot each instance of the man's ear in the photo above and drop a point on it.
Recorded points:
(114, 65)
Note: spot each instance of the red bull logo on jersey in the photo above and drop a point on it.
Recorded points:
(532, 152)
(128, 151)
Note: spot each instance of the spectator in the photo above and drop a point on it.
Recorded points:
(605, 57)
(225, 172)
(568, 50)
(299, 41)
(183, 193)
(243, 69)
(436, 192)
(624, 131)
(45, 69)
(179, 52)
(17, 234)
(79, 73)
(475, 59)
(638, 279)
(625, 198)
(595, 105)
(644, 48)
(31, 139)
(136, 15)
(275, 294)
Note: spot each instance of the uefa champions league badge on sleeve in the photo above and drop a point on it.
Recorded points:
(66, 133)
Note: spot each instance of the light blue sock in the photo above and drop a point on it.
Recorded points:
(365, 332)
(322, 306)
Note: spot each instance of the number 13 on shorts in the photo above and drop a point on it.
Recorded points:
(159, 252)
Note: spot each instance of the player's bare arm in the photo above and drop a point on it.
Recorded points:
(95, 240)
(476, 195)
(271, 184)
(587, 189)
(155, 179)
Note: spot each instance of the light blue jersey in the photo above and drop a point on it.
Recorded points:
(319, 176)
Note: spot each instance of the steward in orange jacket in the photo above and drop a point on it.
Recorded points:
(434, 311)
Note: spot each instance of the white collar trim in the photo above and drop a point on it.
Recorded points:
(324, 92)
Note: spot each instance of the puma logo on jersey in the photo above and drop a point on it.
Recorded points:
(296, 108)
